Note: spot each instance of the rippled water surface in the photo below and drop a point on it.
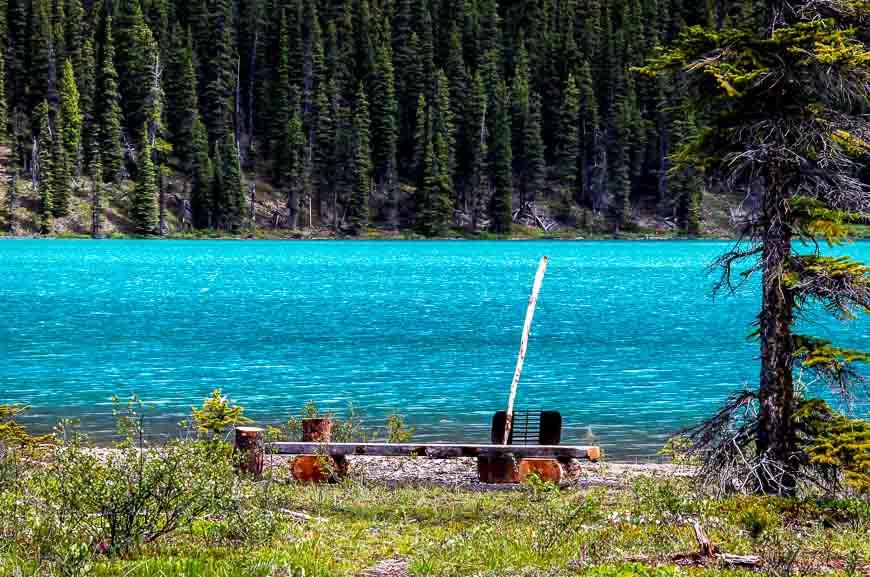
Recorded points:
(626, 341)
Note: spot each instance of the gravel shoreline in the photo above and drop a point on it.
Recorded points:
(462, 473)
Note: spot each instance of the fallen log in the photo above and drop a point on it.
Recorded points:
(709, 550)
(303, 516)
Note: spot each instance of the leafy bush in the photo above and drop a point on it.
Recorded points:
(127, 497)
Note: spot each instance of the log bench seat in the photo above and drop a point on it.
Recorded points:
(435, 450)
(495, 463)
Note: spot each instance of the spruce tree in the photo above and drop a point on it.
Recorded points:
(220, 73)
(143, 201)
(535, 164)
(568, 148)
(620, 158)
(426, 42)
(385, 130)
(296, 169)
(58, 36)
(409, 83)
(314, 68)
(202, 174)
(18, 44)
(70, 117)
(590, 134)
(281, 105)
(43, 167)
(457, 72)
(502, 163)
(39, 71)
(109, 116)
(97, 201)
(87, 80)
(74, 34)
(434, 206)
(61, 180)
(324, 161)
(364, 49)
(134, 54)
(358, 209)
(228, 199)
(427, 223)
(182, 106)
(779, 97)
(445, 138)
(66, 141)
(4, 110)
(422, 136)
(476, 154)
(519, 95)
(344, 160)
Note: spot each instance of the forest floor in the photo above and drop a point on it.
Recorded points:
(269, 209)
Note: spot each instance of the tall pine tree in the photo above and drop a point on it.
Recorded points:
(109, 115)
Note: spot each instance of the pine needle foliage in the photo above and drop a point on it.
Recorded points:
(781, 98)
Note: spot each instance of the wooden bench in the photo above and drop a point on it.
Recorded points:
(495, 463)
(435, 450)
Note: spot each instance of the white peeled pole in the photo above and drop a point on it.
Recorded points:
(530, 313)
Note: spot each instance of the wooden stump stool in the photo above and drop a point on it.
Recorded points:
(249, 449)
(497, 469)
(545, 469)
(318, 468)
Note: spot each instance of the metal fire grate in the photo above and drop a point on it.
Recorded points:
(530, 427)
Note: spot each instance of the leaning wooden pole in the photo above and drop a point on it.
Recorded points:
(530, 313)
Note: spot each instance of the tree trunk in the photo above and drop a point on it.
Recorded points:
(162, 227)
(776, 435)
(293, 206)
(12, 202)
(96, 208)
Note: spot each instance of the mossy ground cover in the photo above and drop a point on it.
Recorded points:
(640, 527)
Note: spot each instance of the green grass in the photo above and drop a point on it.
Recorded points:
(535, 530)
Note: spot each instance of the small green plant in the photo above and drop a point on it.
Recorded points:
(130, 420)
(347, 430)
(679, 449)
(217, 413)
(757, 520)
(293, 426)
(397, 430)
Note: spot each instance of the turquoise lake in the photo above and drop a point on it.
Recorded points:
(627, 341)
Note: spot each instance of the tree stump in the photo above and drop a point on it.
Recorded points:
(318, 468)
(497, 469)
(318, 430)
(250, 448)
(549, 470)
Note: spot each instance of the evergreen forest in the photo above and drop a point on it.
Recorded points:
(433, 116)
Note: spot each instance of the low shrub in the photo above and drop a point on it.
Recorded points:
(124, 498)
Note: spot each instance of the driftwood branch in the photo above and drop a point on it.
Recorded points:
(527, 326)
(303, 516)
(709, 550)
